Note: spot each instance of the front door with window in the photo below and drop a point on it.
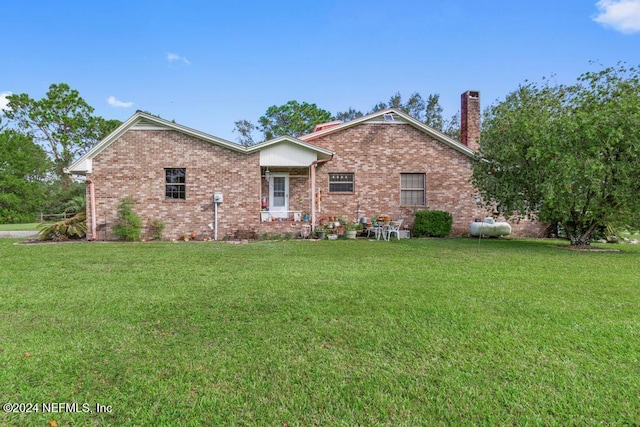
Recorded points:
(279, 194)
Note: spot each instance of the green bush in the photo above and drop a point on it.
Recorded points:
(432, 224)
(8, 216)
(129, 224)
(157, 228)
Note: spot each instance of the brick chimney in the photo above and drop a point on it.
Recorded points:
(470, 119)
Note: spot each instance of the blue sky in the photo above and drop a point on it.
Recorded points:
(206, 64)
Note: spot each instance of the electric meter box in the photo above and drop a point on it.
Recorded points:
(217, 198)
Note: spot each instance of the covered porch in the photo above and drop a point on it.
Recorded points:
(285, 194)
(287, 175)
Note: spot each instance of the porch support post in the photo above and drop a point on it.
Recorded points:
(312, 174)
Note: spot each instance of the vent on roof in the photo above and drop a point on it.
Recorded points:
(388, 117)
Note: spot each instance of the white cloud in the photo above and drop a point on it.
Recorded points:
(172, 57)
(117, 103)
(621, 15)
(3, 100)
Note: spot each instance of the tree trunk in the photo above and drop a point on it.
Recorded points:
(579, 234)
(65, 180)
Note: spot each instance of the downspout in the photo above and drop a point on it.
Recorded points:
(312, 173)
(92, 196)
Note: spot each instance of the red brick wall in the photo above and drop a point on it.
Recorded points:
(377, 154)
(134, 166)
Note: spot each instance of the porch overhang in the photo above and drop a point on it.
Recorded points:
(287, 151)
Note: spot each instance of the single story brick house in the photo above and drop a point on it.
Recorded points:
(383, 163)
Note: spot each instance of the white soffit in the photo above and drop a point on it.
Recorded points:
(287, 154)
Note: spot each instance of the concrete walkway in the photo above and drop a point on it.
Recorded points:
(18, 234)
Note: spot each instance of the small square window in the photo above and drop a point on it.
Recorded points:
(341, 182)
(175, 183)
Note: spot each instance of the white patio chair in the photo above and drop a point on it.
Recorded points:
(394, 227)
(375, 229)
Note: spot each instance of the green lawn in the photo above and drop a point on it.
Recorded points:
(19, 227)
(401, 333)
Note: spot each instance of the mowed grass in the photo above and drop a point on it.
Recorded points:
(19, 227)
(420, 332)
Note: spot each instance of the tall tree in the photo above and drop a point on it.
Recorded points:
(379, 106)
(349, 115)
(104, 127)
(61, 122)
(429, 113)
(23, 169)
(565, 154)
(3, 103)
(245, 129)
(395, 101)
(292, 118)
(433, 114)
(415, 106)
(451, 127)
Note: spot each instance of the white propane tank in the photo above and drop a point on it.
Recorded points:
(489, 228)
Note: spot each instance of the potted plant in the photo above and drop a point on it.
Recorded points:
(341, 225)
(332, 232)
(320, 233)
(351, 229)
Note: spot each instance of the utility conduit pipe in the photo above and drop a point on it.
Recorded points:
(312, 174)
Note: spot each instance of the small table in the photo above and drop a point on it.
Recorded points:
(383, 229)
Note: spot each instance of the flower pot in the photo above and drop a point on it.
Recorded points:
(332, 237)
(350, 234)
(321, 235)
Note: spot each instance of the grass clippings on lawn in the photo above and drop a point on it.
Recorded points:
(410, 332)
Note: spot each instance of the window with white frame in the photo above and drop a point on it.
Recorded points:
(412, 189)
(175, 183)
(341, 182)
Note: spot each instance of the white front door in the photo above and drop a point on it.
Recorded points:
(279, 194)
